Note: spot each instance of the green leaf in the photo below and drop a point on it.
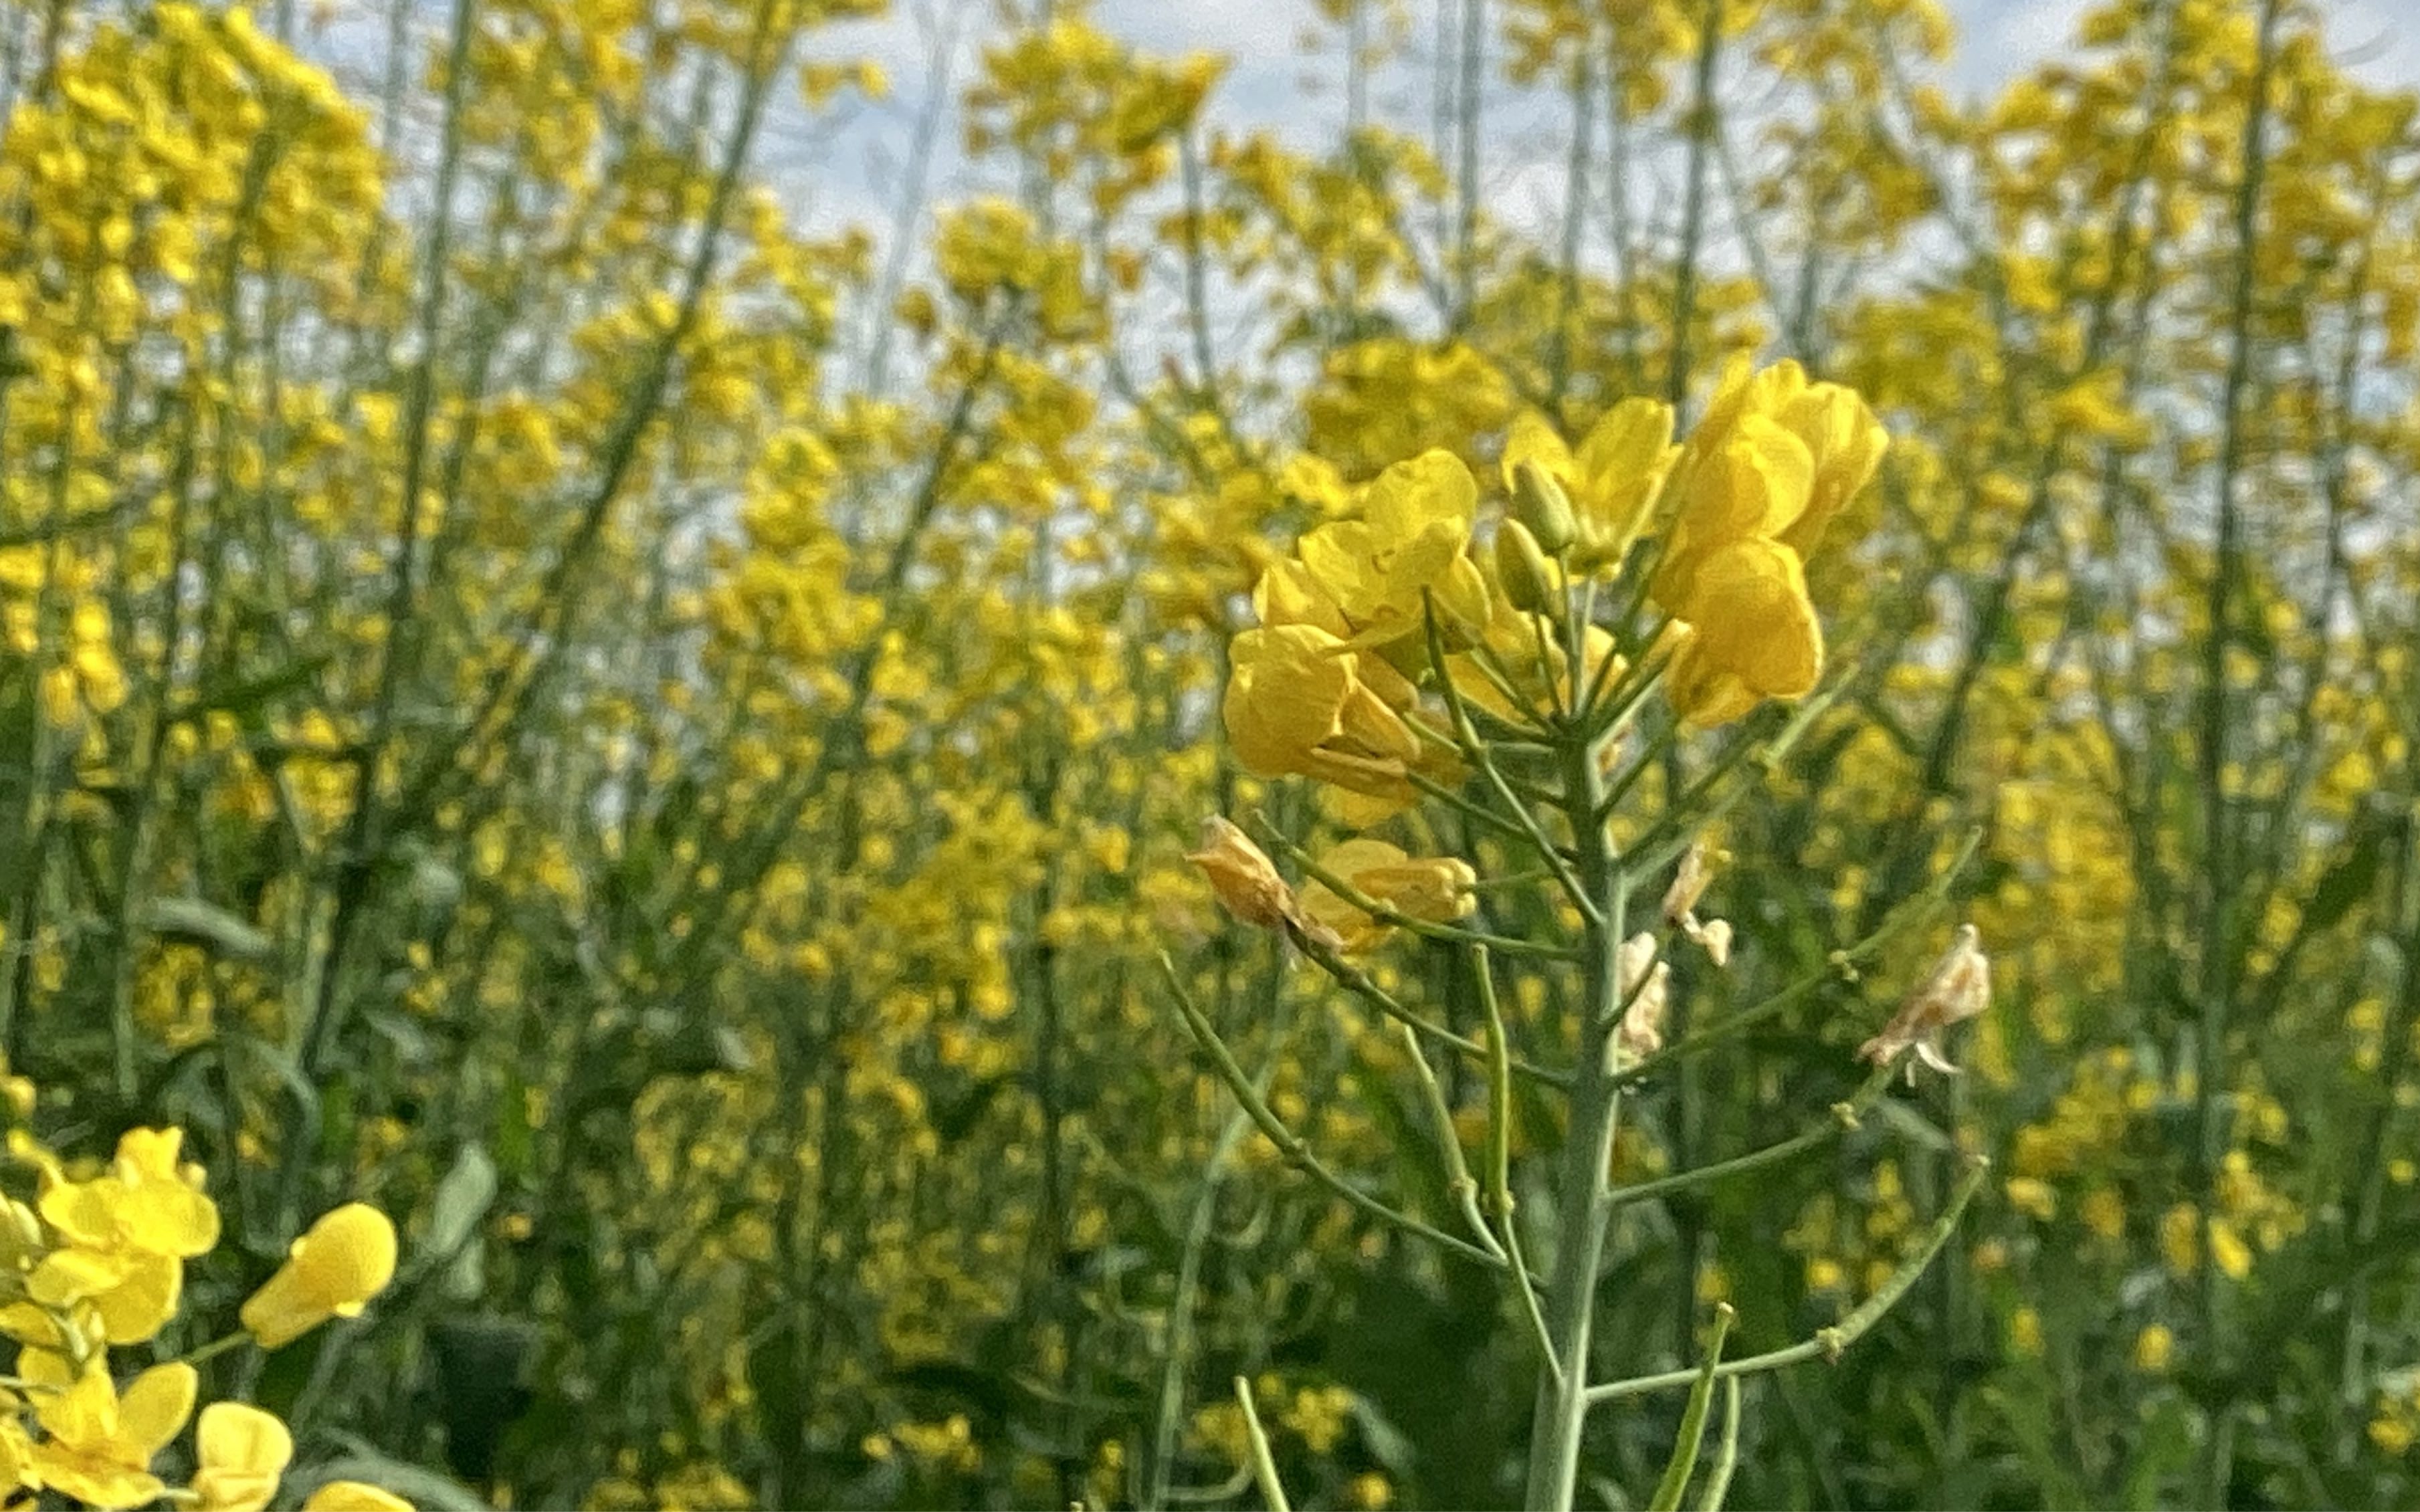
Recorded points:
(463, 1200)
(192, 921)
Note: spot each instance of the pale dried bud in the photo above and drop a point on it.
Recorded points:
(1242, 874)
(1713, 937)
(1688, 883)
(1249, 886)
(1958, 989)
(1646, 986)
(1681, 904)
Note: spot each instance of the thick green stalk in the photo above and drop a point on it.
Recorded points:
(1587, 1195)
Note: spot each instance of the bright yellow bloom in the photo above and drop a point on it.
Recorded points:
(242, 1452)
(100, 1444)
(133, 1292)
(333, 1271)
(1775, 459)
(1411, 541)
(1840, 439)
(1300, 702)
(353, 1496)
(1613, 480)
(125, 1234)
(145, 1201)
(1753, 634)
(1436, 888)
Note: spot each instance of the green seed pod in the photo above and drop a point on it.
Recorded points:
(1521, 568)
(1539, 503)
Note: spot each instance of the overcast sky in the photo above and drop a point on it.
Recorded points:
(852, 175)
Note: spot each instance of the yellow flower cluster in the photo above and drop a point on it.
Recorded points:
(1772, 461)
(97, 1261)
(1326, 687)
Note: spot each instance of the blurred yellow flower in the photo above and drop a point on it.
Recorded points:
(333, 1271)
(1436, 888)
(353, 1496)
(242, 1451)
(100, 1443)
(2153, 1348)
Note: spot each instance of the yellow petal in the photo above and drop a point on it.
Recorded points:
(1288, 594)
(1754, 634)
(242, 1452)
(155, 1408)
(1284, 695)
(1533, 439)
(353, 1496)
(1431, 488)
(1846, 442)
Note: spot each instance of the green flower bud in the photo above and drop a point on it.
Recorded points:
(1521, 568)
(1540, 503)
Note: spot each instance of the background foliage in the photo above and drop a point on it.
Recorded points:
(657, 745)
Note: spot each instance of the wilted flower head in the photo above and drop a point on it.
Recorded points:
(1647, 987)
(1249, 886)
(1713, 937)
(1958, 988)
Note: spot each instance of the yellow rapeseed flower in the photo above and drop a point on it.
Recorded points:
(1409, 546)
(242, 1452)
(1436, 888)
(99, 1443)
(1613, 480)
(1299, 701)
(333, 1271)
(353, 1496)
(1775, 459)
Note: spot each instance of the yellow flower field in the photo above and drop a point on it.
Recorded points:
(1564, 753)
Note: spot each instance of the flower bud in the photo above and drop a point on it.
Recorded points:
(353, 1496)
(1540, 503)
(1521, 567)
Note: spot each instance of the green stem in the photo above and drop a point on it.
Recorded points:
(1264, 1465)
(1585, 1207)
(1291, 1146)
(1828, 1343)
(1845, 1118)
